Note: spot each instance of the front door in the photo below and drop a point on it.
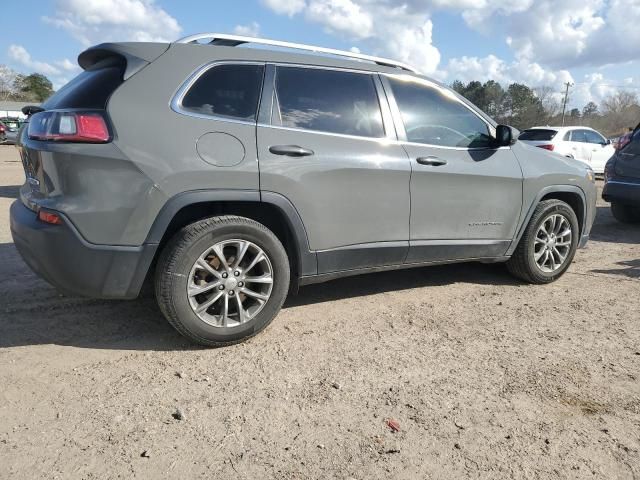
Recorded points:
(466, 194)
(329, 152)
(600, 150)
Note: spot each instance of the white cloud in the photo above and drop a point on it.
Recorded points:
(250, 30)
(567, 33)
(285, 7)
(384, 27)
(59, 72)
(96, 21)
(494, 68)
(20, 55)
(341, 16)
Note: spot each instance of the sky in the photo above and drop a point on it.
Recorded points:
(594, 44)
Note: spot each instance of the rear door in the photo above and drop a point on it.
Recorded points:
(466, 194)
(327, 149)
(580, 148)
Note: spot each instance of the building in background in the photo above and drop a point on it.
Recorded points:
(9, 109)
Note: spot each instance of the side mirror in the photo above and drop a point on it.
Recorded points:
(505, 135)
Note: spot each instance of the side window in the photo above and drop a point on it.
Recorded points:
(567, 136)
(328, 101)
(593, 137)
(435, 118)
(227, 90)
(578, 136)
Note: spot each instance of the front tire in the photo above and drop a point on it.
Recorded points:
(222, 280)
(625, 213)
(548, 244)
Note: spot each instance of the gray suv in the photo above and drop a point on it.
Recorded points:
(230, 176)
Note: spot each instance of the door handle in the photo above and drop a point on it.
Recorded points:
(431, 160)
(290, 150)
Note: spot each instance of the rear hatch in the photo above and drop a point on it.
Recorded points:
(539, 137)
(74, 120)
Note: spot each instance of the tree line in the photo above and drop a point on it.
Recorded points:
(26, 88)
(524, 107)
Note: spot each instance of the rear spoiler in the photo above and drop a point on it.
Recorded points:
(137, 55)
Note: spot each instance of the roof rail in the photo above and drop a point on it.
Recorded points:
(225, 40)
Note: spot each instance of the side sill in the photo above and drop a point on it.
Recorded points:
(326, 277)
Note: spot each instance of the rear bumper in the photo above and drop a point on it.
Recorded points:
(627, 192)
(63, 258)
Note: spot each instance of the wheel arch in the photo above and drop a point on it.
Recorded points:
(274, 211)
(572, 195)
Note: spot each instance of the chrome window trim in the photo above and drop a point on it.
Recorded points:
(176, 102)
(276, 103)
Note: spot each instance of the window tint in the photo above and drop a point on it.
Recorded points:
(434, 118)
(537, 134)
(578, 136)
(328, 101)
(593, 137)
(90, 89)
(227, 90)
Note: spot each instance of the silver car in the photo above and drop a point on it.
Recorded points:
(232, 176)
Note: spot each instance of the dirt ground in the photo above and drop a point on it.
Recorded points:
(487, 377)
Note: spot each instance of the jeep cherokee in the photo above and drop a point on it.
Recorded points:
(230, 176)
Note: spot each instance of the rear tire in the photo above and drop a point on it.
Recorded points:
(240, 269)
(625, 213)
(543, 257)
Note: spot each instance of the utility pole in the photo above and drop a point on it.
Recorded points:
(564, 103)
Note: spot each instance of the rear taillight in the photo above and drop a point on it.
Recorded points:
(2, 129)
(549, 147)
(85, 127)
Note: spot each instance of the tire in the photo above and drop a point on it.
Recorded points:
(625, 213)
(523, 264)
(218, 325)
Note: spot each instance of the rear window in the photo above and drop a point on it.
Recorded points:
(226, 90)
(91, 89)
(538, 134)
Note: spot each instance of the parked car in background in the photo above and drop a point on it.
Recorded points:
(8, 134)
(622, 181)
(12, 122)
(282, 169)
(582, 143)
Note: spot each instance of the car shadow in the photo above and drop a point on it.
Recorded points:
(630, 268)
(9, 191)
(607, 229)
(34, 313)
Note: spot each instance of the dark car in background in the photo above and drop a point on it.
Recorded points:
(622, 181)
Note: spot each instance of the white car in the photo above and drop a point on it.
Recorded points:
(581, 143)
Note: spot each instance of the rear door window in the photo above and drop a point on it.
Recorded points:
(328, 101)
(226, 90)
(538, 134)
